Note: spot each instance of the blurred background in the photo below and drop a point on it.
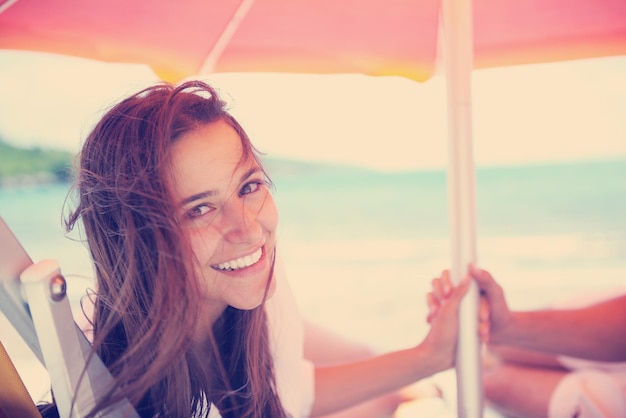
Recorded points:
(359, 165)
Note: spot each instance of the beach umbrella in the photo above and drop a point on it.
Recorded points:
(391, 37)
(376, 37)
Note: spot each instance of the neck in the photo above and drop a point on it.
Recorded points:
(209, 315)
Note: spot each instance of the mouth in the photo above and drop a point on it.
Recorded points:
(240, 263)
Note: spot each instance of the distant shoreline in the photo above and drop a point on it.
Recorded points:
(31, 179)
(21, 167)
(31, 167)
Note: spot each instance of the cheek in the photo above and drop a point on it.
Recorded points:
(204, 244)
(268, 216)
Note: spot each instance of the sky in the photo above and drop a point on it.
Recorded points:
(528, 114)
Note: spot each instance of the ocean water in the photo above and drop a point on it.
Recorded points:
(361, 247)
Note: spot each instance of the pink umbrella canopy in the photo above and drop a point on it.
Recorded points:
(394, 37)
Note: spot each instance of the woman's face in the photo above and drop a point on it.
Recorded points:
(230, 217)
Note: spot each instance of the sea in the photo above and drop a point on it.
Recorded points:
(361, 247)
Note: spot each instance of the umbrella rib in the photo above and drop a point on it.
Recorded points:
(227, 34)
(6, 5)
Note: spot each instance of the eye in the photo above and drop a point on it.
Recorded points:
(198, 211)
(251, 187)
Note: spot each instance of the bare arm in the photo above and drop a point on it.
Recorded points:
(341, 386)
(498, 353)
(596, 332)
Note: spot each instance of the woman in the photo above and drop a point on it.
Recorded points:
(181, 226)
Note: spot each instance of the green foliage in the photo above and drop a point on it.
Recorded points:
(18, 162)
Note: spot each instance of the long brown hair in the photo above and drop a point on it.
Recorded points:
(147, 305)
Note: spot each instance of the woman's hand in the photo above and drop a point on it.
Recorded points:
(443, 289)
(443, 302)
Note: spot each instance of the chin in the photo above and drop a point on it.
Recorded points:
(260, 299)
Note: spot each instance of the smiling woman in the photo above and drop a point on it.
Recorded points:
(181, 227)
(158, 223)
(226, 210)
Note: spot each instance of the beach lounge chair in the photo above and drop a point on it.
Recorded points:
(33, 298)
(14, 398)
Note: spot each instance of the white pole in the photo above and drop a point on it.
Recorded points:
(6, 5)
(227, 34)
(458, 56)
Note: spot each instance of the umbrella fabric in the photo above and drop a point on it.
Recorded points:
(392, 37)
(316, 36)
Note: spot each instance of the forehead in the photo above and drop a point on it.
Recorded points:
(210, 154)
(216, 140)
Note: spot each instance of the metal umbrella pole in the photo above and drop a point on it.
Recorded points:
(458, 56)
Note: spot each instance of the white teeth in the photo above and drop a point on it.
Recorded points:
(240, 263)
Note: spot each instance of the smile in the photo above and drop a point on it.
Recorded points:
(240, 263)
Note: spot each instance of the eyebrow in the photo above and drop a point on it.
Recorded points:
(209, 193)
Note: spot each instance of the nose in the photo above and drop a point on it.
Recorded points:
(239, 222)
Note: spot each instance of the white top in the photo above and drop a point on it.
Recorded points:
(294, 374)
